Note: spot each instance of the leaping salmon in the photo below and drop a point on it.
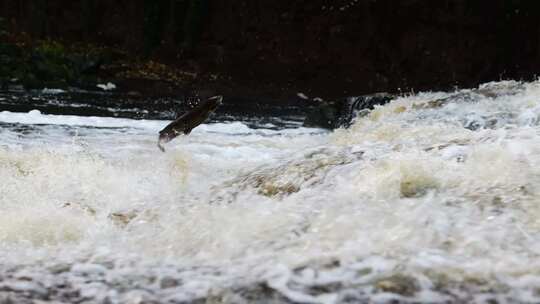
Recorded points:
(188, 121)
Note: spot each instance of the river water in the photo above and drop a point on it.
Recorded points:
(434, 197)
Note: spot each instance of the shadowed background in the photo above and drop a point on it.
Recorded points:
(322, 48)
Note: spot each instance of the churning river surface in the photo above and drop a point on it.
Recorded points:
(434, 197)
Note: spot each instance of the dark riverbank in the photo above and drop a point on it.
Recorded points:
(274, 49)
(122, 105)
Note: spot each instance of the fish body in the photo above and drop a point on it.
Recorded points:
(189, 120)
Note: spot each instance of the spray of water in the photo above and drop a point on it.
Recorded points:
(432, 197)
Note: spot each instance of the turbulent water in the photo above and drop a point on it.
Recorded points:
(434, 197)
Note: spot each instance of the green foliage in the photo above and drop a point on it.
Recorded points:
(52, 50)
(47, 63)
(50, 63)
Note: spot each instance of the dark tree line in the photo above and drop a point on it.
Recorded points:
(320, 47)
(145, 24)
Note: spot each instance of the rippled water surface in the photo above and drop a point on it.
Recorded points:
(433, 198)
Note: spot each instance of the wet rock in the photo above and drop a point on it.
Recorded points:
(168, 282)
(81, 207)
(278, 182)
(121, 219)
(23, 275)
(268, 188)
(341, 113)
(455, 142)
(432, 104)
(59, 268)
(353, 106)
(415, 182)
(409, 189)
(260, 293)
(399, 284)
(324, 115)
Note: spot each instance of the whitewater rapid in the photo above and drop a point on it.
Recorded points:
(433, 197)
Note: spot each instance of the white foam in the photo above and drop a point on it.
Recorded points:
(107, 86)
(36, 117)
(407, 205)
(52, 91)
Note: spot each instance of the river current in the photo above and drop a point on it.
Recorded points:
(434, 197)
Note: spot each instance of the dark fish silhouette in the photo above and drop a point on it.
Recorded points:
(189, 120)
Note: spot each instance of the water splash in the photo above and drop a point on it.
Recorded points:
(432, 197)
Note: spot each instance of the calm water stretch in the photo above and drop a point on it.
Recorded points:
(434, 197)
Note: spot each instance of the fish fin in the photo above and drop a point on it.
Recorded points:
(160, 146)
